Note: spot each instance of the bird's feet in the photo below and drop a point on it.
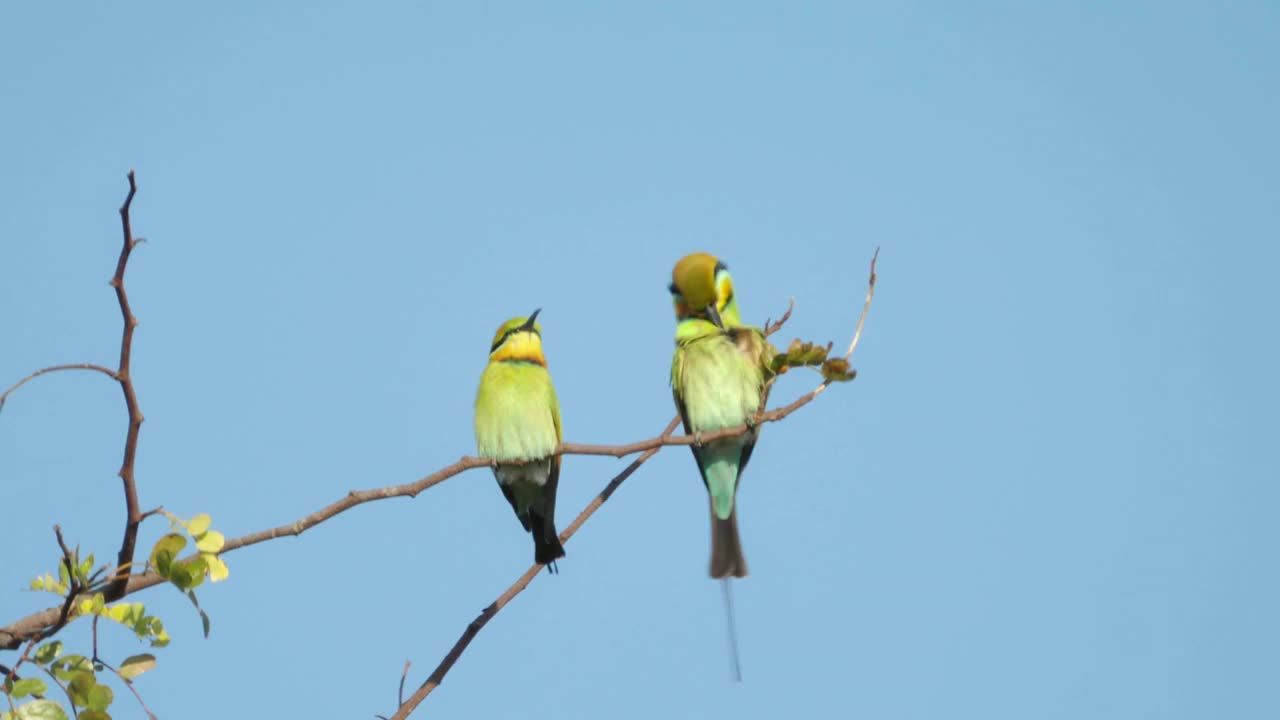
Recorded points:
(697, 440)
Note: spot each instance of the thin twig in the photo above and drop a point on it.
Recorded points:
(866, 305)
(71, 703)
(11, 674)
(57, 368)
(437, 676)
(127, 682)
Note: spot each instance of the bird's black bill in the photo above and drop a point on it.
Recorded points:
(528, 324)
(714, 316)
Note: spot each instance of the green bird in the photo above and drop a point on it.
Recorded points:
(517, 424)
(718, 378)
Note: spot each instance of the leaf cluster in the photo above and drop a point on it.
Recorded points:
(82, 587)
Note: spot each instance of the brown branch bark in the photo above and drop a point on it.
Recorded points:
(133, 513)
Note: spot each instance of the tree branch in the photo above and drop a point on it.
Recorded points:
(133, 513)
(56, 368)
(437, 676)
(12, 635)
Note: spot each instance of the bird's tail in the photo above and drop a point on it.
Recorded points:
(546, 541)
(726, 549)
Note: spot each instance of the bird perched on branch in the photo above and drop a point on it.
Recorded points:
(718, 378)
(517, 424)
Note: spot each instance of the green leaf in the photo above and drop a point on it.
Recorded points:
(100, 697)
(204, 617)
(135, 665)
(161, 638)
(164, 552)
(188, 574)
(199, 524)
(63, 577)
(82, 681)
(28, 686)
(39, 710)
(210, 542)
(48, 652)
(67, 668)
(91, 714)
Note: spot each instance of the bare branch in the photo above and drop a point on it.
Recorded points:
(437, 676)
(866, 305)
(773, 327)
(133, 514)
(56, 368)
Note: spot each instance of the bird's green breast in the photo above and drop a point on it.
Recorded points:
(517, 414)
(718, 379)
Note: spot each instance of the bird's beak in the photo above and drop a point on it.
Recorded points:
(714, 316)
(528, 324)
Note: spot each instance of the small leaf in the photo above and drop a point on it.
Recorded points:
(204, 617)
(211, 542)
(91, 714)
(161, 638)
(82, 681)
(28, 686)
(100, 697)
(217, 569)
(164, 552)
(188, 574)
(67, 668)
(135, 665)
(199, 524)
(39, 710)
(63, 577)
(48, 652)
(120, 613)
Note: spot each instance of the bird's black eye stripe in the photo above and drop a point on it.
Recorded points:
(674, 290)
(498, 343)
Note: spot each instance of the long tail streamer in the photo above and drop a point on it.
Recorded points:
(735, 665)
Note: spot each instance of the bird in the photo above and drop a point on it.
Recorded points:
(719, 379)
(517, 425)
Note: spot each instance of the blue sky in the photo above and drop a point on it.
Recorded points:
(1050, 493)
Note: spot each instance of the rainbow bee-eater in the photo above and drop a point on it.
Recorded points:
(718, 378)
(518, 425)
